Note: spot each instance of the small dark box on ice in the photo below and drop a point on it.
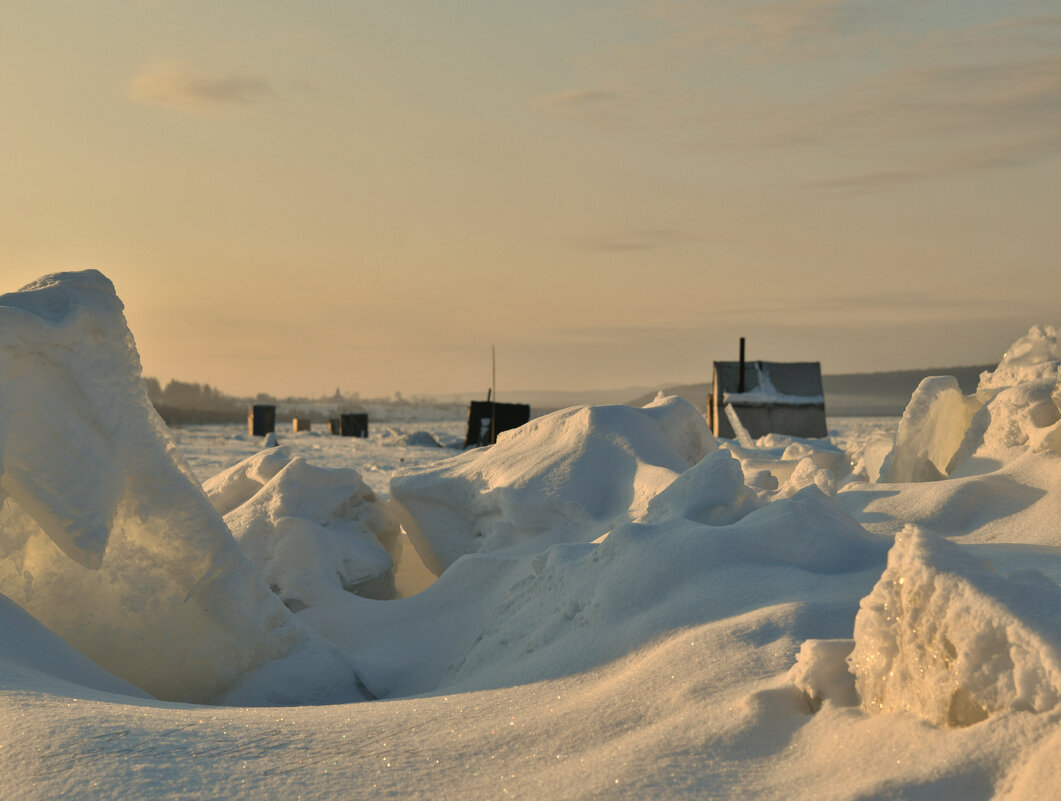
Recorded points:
(261, 419)
(487, 419)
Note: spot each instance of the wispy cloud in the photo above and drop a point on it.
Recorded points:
(173, 85)
(614, 334)
(882, 306)
(934, 122)
(810, 27)
(599, 106)
(1010, 155)
(992, 101)
(868, 96)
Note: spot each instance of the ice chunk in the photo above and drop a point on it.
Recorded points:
(945, 637)
(568, 476)
(1016, 409)
(105, 536)
(743, 437)
(873, 453)
(58, 445)
(931, 432)
(1016, 420)
(31, 654)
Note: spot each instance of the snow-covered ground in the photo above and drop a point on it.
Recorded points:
(389, 446)
(607, 603)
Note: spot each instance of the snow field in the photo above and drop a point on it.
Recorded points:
(606, 603)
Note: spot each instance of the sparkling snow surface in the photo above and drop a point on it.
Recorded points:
(606, 604)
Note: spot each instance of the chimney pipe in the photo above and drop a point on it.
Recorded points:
(740, 373)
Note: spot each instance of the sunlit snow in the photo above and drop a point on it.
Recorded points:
(607, 603)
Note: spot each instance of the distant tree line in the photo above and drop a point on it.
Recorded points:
(187, 403)
(181, 402)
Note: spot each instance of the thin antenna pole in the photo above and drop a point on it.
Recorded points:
(493, 389)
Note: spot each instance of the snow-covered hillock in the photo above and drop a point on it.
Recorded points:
(585, 605)
(105, 536)
(310, 530)
(569, 476)
(393, 435)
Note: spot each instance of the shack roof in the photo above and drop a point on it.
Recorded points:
(770, 383)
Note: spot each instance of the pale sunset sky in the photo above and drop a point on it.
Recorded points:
(295, 196)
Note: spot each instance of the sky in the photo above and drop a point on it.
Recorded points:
(295, 197)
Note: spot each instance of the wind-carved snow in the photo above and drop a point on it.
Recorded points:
(105, 536)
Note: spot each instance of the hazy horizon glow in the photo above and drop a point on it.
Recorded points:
(294, 198)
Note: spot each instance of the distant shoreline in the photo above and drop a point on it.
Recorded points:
(883, 394)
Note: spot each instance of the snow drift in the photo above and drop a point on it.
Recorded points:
(585, 605)
(566, 477)
(105, 536)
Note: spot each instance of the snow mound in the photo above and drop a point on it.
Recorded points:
(566, 477)
(712, 492)
(310, 530)
(415, 439)
(105, 535)
(1015, 410)
(945, 637)
(586, 604)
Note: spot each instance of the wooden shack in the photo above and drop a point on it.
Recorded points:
(261, 419)
(350, 425)
(768, 397)
(301, 424)
(487, 419)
